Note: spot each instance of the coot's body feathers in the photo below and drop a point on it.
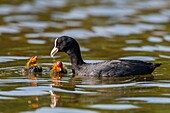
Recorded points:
(107, 68)
(116, 68)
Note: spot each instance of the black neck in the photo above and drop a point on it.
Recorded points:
(75, 57)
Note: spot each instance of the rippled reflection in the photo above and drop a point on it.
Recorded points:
(114, 106)
(149, 99)
(149, 48)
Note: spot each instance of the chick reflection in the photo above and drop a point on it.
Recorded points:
(54, 97)
(34, 100)
(34, 79)
(56, 73)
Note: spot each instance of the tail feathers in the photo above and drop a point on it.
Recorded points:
(156, 65)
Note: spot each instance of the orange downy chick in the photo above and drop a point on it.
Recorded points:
(32, 62)
(32, 65)
(57, 69)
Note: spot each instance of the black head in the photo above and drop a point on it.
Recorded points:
(64, 44)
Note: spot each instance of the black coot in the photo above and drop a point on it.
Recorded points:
(107, 68)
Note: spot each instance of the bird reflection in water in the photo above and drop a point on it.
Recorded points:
(56, 73)
(32, 71)
(55, 98)
(34, 99)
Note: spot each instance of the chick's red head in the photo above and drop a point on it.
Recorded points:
(58, 66)
(33, 59)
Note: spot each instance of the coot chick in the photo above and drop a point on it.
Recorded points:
(107, 68)
(58, 68)
(32, 66)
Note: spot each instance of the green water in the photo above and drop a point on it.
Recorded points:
(105, 30)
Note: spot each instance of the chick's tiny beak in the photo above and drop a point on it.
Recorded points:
(54, 51)
(33, 58)
(59, 68)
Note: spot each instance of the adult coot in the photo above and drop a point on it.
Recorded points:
(107, 68)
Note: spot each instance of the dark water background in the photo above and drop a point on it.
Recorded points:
(105, 30)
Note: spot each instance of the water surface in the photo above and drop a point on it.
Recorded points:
(105, 30)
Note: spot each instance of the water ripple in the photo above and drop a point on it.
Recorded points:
(11, 58)
(144, 58)
(19, 18)
(9, 29)
(52, 3)
(60, 110)
(38, 35)
(152, 4)
(46, 88)
(133, 41)
(154, 18)
(164, 56)
(166, 12)
(21, 80)
(149, 48)
(114, 106)
(106, 86)
(36, 41)
(34, 24)
(76, 33)
(23, 93)
(125, 30)
(79, 33)
(167, 38)
(163, 85)
(6, 98)
(6, 9)
(110, 11)
(81, 13)
(155, 100)
(78, 14)
(155, 39)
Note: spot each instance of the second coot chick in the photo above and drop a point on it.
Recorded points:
(58, 68)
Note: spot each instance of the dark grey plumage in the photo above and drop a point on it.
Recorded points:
(116, 68)
(107, 68)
